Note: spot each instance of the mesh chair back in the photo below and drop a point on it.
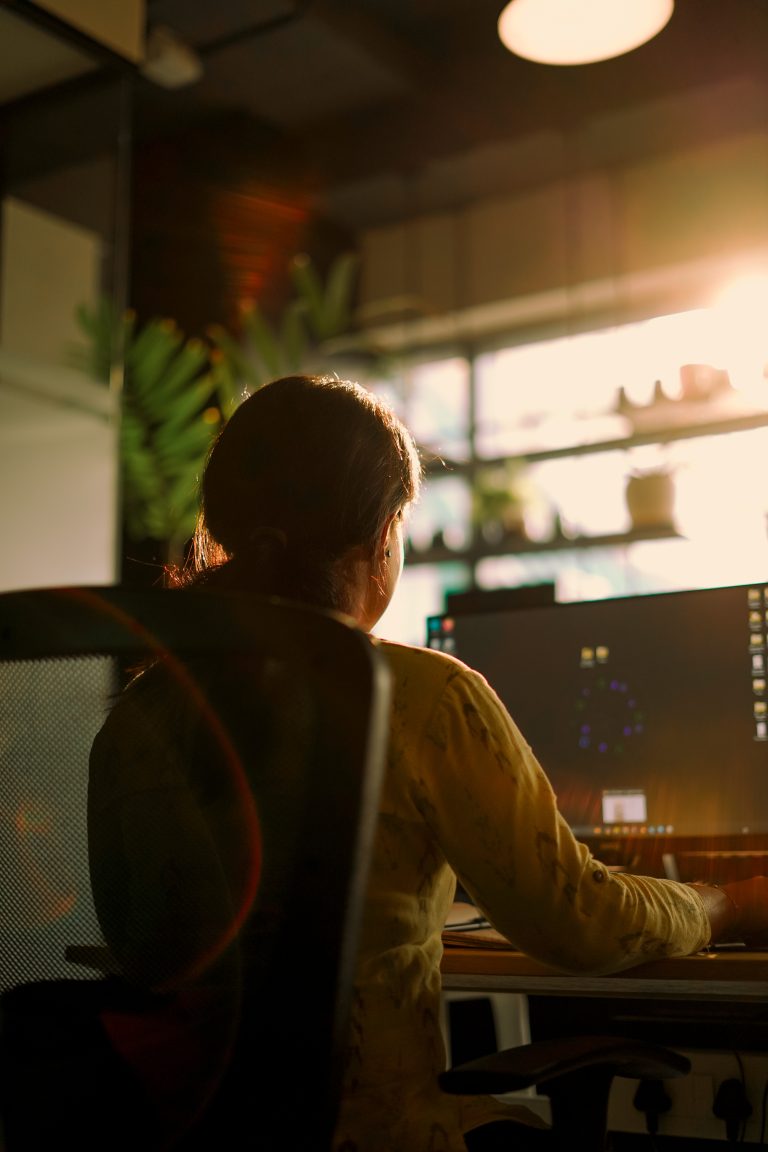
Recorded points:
(50, 710)
(284, 728)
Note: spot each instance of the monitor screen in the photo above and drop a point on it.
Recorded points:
(649, 713)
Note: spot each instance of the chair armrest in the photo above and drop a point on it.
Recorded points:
(547, 1060)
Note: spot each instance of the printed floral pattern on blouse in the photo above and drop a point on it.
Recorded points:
(464, 796)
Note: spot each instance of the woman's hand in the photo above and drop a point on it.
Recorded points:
(751, 899)
(737, 910)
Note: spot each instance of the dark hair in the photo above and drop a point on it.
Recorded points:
(307, 468)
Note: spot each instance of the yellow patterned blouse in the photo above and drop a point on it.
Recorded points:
(464, 796)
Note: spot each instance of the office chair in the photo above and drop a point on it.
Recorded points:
(576, 1073)
(286, 717)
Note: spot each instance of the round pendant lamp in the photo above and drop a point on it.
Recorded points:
(580, 31)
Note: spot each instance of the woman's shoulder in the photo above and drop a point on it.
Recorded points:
(443, 684)
(396, 652)
(431, 666)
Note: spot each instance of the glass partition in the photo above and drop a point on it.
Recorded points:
(64, 135)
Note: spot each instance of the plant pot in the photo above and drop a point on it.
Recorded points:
(650, 499)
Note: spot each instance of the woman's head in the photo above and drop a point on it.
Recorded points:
(308, 470)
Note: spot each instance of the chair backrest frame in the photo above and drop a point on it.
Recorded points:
(302, 1016)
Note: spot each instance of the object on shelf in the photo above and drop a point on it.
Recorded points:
(449, 539)
(561, 531)
(650, 498)
(703, 382)
(524, 546)
(499, 499)
(705, 394)
(494, 534)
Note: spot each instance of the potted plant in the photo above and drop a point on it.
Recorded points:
(650, 498)
(168, 418)
(178, 392)
(499, 499)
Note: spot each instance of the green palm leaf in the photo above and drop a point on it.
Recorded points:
(164, 434)
(263, 340)
(171, 384)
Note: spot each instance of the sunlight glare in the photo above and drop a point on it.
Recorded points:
(739, 321)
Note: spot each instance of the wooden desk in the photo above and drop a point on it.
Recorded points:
(713, 976)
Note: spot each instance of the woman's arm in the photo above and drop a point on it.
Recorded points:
(494, 814)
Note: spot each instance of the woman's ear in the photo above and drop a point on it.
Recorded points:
(385, 537)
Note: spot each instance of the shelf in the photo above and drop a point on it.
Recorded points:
(745, 423)
(513, 546)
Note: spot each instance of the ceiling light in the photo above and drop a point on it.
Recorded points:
(169, 61)
(580, 31)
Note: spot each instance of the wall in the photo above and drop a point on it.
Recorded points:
(58, 513)
(57, 476)
(604, 234)
(62, 240)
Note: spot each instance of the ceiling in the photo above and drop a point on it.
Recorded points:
(381, 109)
(396, 106)
(31, 59)
(314, 120)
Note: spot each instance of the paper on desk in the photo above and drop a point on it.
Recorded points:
(467, 927)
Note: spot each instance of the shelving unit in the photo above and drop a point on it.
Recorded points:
(513, 545)
(662, 435)
(516, 544)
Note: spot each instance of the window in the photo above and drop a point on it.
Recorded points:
(563, 424)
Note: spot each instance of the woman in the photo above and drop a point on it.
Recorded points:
(305, 495)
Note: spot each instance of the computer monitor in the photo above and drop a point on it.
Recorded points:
(648, 713)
